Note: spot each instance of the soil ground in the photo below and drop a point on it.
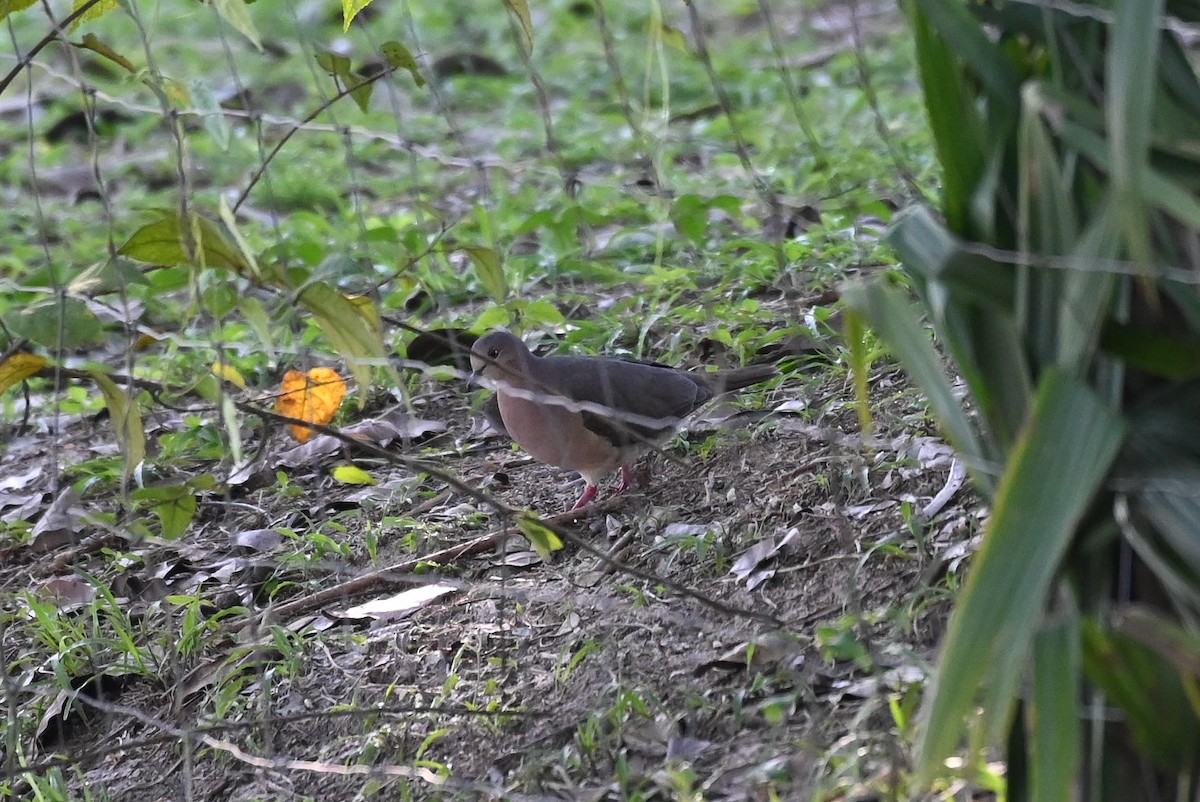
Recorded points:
(654, 674)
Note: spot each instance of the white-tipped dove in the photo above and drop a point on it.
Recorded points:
(593, 414)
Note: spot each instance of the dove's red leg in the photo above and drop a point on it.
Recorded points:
(589, 494)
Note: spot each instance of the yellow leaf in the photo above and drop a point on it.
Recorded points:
(352, 475)
(96, 11)
(146, 340)
(520, 8)
(19, 367)
(399, 56)
(671, 37)
(350, 9)
(314, 397)
(227, 372)
(541, 536)
(366, 309)
(92, 42)
(126, 419)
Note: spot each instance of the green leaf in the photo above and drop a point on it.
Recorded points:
(490, 271)
(335, 64)
(95, 12)
(860, 366)
(491, 318)
(233, 429)
(689, 213)
(399, 57)
(1131, 67)
(161, 243)
(52, 323)
(1087, 295)
(211, 111)
(1151, 351)
(1053, 475)
(540, 312)
(967, 39)
(346, 328)
(173, 505)
(256, 315)
(13, 6)
(541, 536)
(955, 123)
(1054, 715)
(1178, 646)
(669, 35)
(126, 420)
(237, 14)
(229, 219)
(1147, 689)
(972, 300)
(340, 68)
(931, 252)
(176, 515)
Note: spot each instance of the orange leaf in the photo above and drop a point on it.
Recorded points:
(314, 397)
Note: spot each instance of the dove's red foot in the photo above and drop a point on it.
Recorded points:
(628, 480)
(589, 495)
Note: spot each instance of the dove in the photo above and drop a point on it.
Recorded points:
(594, 414)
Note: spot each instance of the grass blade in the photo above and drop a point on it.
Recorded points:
(893, 317)
(1131, 68)
(1053, 475)
(1055, 751)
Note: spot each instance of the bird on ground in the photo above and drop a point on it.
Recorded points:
(594, 414)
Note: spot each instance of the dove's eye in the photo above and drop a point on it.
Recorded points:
(493, 353)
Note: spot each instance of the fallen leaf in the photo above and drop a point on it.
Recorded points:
(401, 604)
(519, 559)
(767, 648)
(67, 592)
(60, 525)
(21, 480)
(314, 397)
(380, 431)
(352, 475)
(22, 507)
(541, 536)
(258, 539)
(749, 566)
(753, 557)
